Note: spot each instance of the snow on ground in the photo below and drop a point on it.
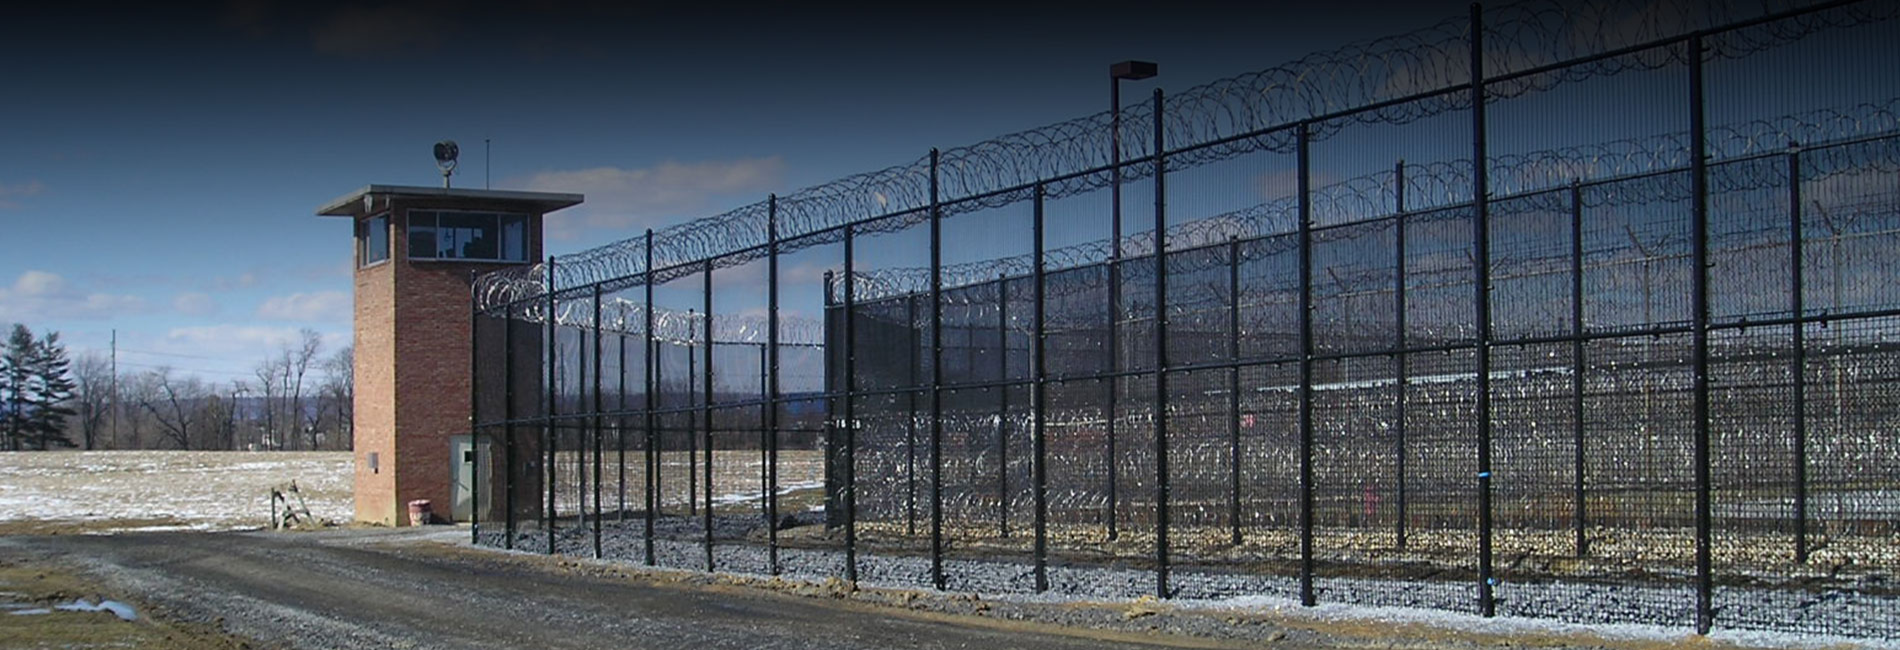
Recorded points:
(181, 490)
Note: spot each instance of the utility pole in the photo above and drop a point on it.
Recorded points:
(115, 386)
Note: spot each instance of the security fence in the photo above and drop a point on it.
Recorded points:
(1584, 313)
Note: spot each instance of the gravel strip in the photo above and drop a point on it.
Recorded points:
(740, 550)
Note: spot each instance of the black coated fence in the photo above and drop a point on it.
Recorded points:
(1637, 363)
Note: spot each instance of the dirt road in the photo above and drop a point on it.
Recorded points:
(356, 589)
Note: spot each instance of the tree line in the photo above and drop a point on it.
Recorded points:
(297, 398)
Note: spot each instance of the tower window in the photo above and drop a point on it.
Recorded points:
(473, 236)
(372, 240)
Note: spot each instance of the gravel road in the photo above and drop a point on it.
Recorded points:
(382, 589)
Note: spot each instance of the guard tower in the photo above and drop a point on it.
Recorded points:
(416, 250)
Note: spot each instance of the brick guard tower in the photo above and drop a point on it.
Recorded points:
(416, 248)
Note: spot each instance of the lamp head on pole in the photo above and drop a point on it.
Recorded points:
(1133, 70)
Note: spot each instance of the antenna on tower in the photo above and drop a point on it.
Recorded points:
(445, 155)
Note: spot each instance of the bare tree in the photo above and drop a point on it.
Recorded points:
(93, 373)
(134, 390)
(270, 376)
(338, 393)
(298, 358)
(176, 405)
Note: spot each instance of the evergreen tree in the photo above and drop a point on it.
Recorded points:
(14, 362)
(37, 387)
(52, 371)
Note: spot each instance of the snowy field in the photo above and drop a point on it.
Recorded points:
(105, 491)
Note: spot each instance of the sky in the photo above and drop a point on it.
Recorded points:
(162, 164)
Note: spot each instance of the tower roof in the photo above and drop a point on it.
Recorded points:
(373, 198)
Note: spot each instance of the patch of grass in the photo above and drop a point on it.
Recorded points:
(40, 585)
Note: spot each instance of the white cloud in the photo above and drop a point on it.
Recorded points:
(236, 347)
(40, 284)
(650, 197)
(307, 307)
(9, 192)
(40, 295)
(195, 304)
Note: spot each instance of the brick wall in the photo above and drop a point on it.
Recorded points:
(412, 374)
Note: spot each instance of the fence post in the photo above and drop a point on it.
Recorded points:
(850, 406)
(1577, 368)
(1002, 412)
(581, 422)
(772, 386)
(910, 415)
(1307, 597)
(474, 403)
(706, 377)
(1799, 373)
(508, 423)
(1481, 242)
(1404, 360)
(652, 361)
(692, 418)
(936, 380)
(1109, 407)
(656, 351)
(620, 420)
(1039, 404)
(599, 449)
(764, 455)
(553, 407)
(1161, 356)
(1699, 235)
(1233, 387)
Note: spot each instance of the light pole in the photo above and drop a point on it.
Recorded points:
(1129, 70)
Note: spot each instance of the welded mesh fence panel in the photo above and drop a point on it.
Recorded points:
(1508, 407)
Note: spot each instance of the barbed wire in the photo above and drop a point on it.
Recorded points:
(622, 316)
(1203, 124)
(1526, 179)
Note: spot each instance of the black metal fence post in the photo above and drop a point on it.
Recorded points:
(620, 420)
(1161, 356)
(1307, 596)
(580, 423)
(1481, 242)
(912, 342)
(1699, 289)
(772, 384)
(850, 407)
(706, 377)
(1799, 372)
(474, 403)
(1002, 411)
(599, 404)
(936, 379)
(1039, 403)
(1114, 305)
(657, 371)
(692, 418)
(508, 424)
(1403, 360)
(652, 437)
(1577, 379)
(764, 449)
(553, 406)
(1233, 389)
